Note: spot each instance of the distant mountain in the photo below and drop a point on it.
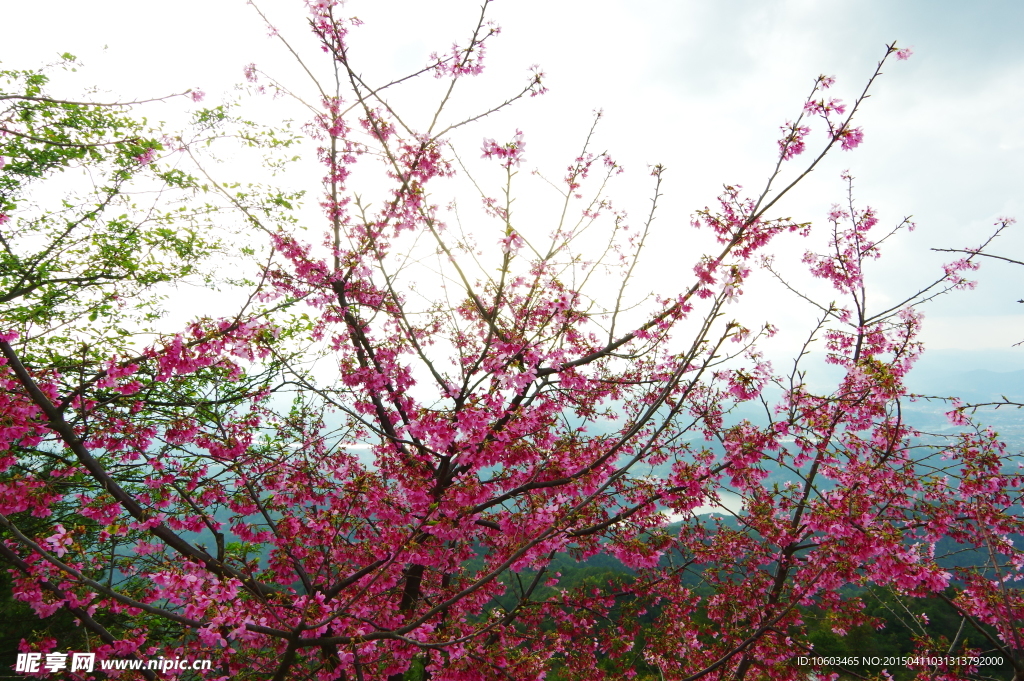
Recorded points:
(979, 385)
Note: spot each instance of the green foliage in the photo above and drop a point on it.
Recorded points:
(82, 233)
(99, 224)
(899, 623)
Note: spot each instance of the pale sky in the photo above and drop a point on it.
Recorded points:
(701, 87)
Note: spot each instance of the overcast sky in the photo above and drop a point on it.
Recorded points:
(701, 87)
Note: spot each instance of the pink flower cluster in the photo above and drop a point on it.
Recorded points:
(508, 154)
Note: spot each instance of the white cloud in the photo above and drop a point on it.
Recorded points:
(701, 87)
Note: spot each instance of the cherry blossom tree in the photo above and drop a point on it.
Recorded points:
(367, 469)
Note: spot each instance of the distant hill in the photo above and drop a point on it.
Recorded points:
(979, 385)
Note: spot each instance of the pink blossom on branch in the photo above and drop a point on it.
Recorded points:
(825, 107)
(146, 157)
(537, 81)
(850, 138)
(792, 144)
(954, 269)
(508, 154)
(466, 61)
